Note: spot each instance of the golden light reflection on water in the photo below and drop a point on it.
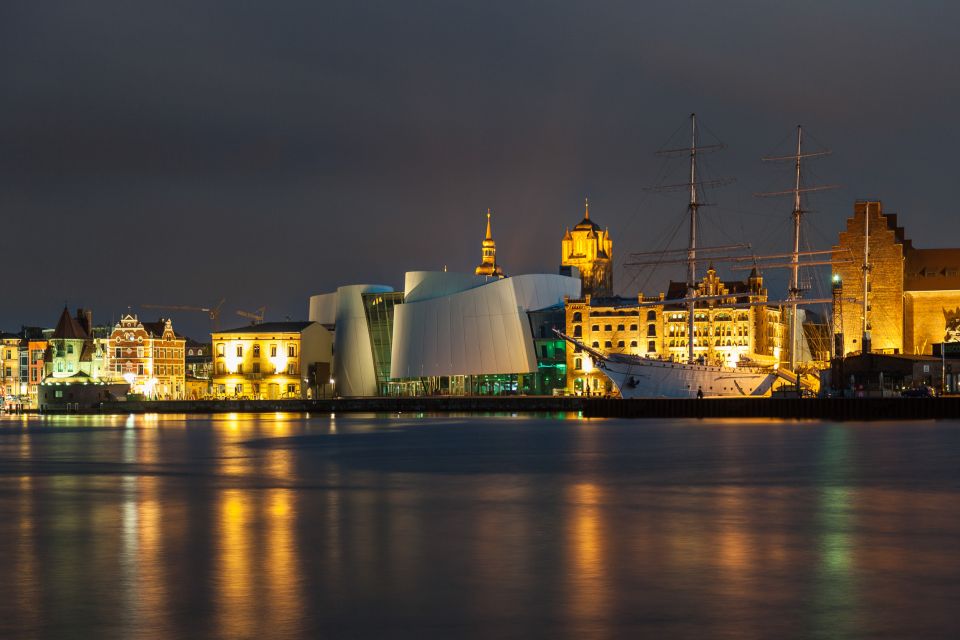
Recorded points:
(25, 559)
(258, 576)
(588, 582)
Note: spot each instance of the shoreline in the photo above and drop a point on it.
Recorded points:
(861, 409)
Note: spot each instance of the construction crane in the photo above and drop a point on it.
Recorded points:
(212, 312)
(256, 317)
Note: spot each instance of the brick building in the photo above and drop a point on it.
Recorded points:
(914, 294)
(149, 356)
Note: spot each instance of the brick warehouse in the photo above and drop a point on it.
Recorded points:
(914, 298)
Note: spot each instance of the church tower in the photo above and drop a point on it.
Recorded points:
(590, 249)
(488, 264)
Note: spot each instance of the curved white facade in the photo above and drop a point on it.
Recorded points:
(323, 308)
(482, 328)
(353, 369)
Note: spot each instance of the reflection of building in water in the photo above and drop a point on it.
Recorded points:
(914, 299)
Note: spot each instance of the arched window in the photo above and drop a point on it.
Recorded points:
(620, 344)
(651, 331)
(596, 345)
(651, 316)
(577, 331)
(578, 363)
(577, 316)
(607, 344)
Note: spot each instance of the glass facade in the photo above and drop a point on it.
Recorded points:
(378, 308)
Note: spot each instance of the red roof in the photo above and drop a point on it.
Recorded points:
(68, 328)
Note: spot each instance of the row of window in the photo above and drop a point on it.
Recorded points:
(578, 316)
(291, 350)
(291, 368)
(238, 389)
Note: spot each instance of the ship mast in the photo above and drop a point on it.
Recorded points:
(691, 186)
(795, 293)
(692, 250)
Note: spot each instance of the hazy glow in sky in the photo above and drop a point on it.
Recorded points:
(184, 151)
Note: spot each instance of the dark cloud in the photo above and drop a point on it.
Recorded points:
(185, 151)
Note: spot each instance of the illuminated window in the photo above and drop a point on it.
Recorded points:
(238, 390)
(220, 349)
(291, 388)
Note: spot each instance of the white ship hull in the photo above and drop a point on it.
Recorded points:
(637, 377)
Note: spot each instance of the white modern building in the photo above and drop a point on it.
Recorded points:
(450, 333)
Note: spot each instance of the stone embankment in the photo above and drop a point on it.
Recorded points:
(788, 408)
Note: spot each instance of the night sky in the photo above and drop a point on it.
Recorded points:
(185, 151)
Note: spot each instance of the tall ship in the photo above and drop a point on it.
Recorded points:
(696, 374)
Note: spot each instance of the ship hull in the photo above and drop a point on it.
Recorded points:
(646, 378)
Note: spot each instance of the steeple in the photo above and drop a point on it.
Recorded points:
(589, 248)
(488, 263)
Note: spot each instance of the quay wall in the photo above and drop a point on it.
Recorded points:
(785, 408)
(789, 408)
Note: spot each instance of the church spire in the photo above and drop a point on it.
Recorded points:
(488, 263)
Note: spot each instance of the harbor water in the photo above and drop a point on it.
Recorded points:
(470, 526)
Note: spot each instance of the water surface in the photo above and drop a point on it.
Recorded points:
(286, 525)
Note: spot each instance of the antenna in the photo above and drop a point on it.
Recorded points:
(797, 191)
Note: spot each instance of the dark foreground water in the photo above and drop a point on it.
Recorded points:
(283, 526)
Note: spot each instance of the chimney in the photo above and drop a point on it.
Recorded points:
(85, 318)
